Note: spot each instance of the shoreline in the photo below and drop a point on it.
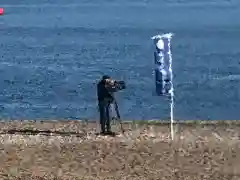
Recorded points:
(81, 128)
(144, 122)
(126, 121)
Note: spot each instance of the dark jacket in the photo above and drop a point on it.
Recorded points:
(104, 93)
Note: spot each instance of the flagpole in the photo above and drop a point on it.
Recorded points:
(162, 72)
(172, 88)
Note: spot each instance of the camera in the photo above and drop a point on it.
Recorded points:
(119, 85)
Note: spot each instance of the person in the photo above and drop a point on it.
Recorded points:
(105, 93)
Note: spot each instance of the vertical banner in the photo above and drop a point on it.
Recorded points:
(163, 69)
(163, 64)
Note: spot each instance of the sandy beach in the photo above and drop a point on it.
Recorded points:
(72, 150)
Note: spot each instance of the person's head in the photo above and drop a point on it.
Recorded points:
(107, 79)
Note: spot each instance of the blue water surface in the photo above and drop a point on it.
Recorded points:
(52, 52)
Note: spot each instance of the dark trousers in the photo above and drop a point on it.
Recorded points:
(104, 116)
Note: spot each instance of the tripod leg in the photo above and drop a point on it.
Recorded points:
(117, 110)
(118, 116)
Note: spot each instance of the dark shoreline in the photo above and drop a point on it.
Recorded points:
(80, 128)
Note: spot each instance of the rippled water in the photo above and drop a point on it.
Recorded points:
(53, 52)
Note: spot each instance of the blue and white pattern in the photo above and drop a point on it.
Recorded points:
(163, 69)
(163, 64)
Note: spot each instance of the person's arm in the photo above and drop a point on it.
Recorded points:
(111, 89)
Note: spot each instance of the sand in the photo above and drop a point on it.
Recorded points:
(71, 150)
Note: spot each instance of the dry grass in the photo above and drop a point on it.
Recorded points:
(199, 152)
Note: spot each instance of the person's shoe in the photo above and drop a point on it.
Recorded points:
(102, 133)
(110, 133)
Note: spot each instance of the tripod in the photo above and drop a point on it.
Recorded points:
(114, 106)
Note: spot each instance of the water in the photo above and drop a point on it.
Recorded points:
(53, 52)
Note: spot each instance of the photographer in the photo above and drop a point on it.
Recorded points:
(105, 92)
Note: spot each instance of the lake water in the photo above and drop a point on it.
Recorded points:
(53, 52)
